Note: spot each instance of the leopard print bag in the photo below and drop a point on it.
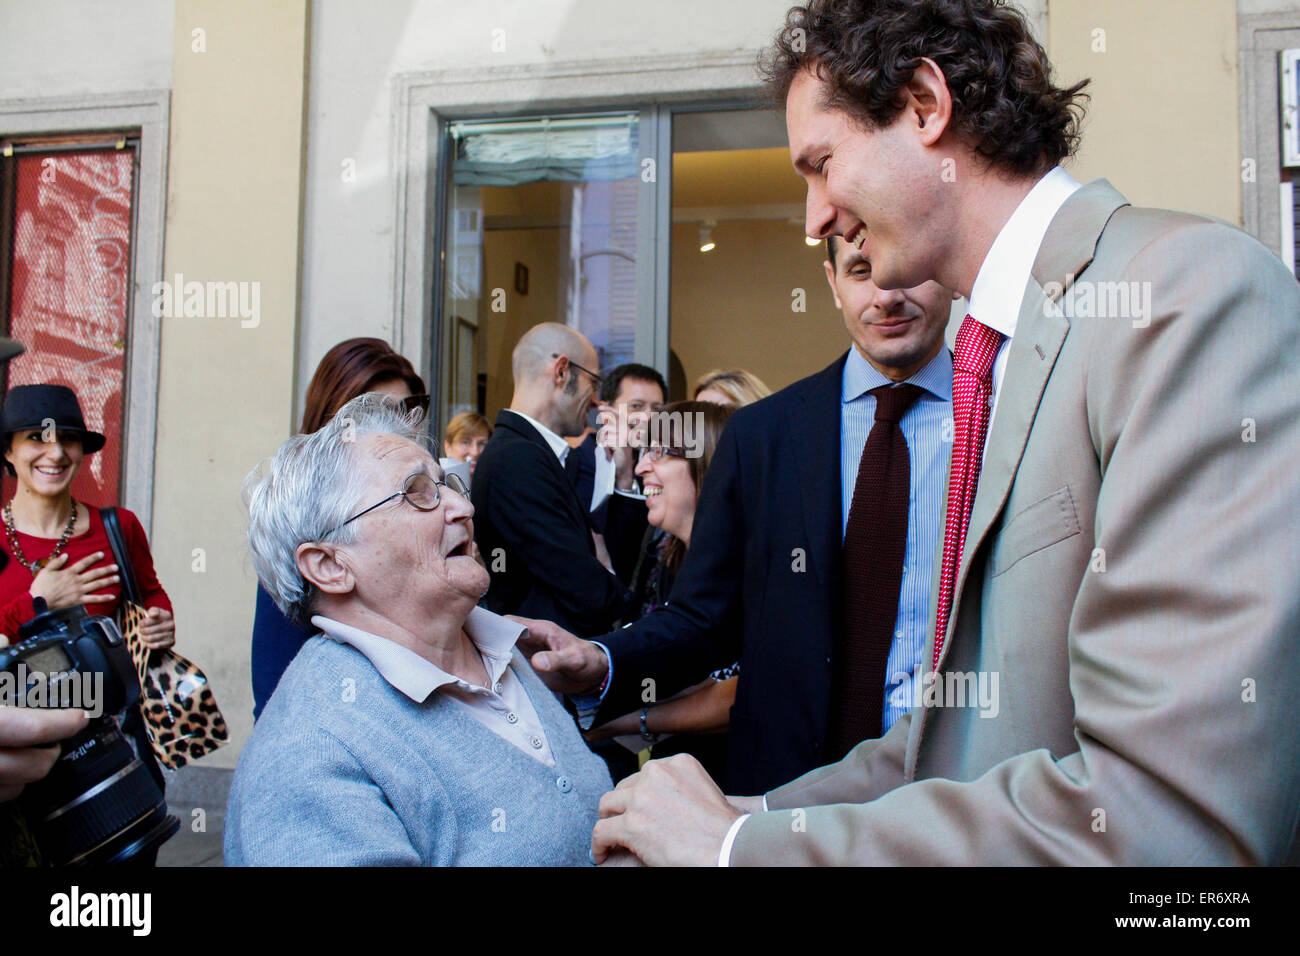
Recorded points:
(180, 712)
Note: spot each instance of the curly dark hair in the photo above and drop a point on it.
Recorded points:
(866, 51)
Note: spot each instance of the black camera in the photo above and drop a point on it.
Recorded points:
(100, 804)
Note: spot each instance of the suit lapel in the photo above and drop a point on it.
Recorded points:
(817, 419)
(1066, 250)
(524, 429)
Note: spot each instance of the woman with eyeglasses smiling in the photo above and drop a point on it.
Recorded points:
(351, 368)
(672, 474)
(408, 731)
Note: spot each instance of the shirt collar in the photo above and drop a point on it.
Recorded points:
(558, 444)
(417, 678)
(860, 376)
(1000, 283)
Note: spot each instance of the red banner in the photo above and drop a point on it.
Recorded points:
(70, 292)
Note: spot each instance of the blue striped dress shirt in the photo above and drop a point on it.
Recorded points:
(927, 426)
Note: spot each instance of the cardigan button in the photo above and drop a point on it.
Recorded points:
(563, 784)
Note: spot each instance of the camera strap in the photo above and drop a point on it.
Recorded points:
(122, 557)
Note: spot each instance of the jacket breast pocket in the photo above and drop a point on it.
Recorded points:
(1041, 525)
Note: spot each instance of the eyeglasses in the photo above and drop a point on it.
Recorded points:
(412, 402)
(419, 491)
(657, 453)
(598, 379)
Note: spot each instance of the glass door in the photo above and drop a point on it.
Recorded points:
(543, 224)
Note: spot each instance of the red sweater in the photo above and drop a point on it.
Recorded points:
(15, 580)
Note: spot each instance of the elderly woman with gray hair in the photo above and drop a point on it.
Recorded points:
(409, 730)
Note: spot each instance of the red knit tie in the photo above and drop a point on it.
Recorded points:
(972, 398)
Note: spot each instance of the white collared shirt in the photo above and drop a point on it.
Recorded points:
(558, 444)
(503, 707)
(1000, 284)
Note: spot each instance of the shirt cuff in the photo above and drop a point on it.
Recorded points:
(724, 855)
(588, 704)
(602, 485)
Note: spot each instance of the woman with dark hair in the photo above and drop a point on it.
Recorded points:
(56, 547)
(354, 367)
(351, 368)
(683, 438)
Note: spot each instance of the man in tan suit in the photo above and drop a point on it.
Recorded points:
(1129, 568)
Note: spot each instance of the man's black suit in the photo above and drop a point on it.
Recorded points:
(534, 536)
(761, 583)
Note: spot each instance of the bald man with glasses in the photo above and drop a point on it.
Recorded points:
(532, 530)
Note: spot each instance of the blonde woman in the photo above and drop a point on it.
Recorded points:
(467, 435)
(732, 387)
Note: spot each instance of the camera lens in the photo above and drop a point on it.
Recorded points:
(101, 803)
(98, 803)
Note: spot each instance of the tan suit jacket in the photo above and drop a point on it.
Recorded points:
(1131, 574)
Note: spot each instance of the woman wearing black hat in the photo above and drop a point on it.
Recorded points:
(56, 547)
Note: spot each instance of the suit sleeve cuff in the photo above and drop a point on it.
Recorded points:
(588, 704)
(724, 855)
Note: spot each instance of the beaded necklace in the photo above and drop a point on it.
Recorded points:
(36, 566)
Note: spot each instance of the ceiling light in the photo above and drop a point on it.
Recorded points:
(706, 236)
(809, 240)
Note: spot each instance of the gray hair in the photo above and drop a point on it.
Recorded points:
(310, 487)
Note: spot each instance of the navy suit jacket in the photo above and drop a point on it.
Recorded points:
(761, 583)
(534, 536)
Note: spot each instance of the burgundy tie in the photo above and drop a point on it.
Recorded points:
(875, 547)
(972, 396)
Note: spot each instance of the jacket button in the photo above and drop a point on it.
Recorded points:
(563, 785)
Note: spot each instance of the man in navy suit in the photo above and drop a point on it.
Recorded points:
(763, 580)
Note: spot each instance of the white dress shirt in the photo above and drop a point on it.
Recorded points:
(1000, 283)
(995, 301)
(503, 707)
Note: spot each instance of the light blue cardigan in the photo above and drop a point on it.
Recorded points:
(342, 769)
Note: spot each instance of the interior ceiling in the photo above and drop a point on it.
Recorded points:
(736, 177)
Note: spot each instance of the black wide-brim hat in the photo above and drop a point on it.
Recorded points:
(33, 406)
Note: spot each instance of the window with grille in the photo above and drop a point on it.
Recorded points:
(67, 223)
